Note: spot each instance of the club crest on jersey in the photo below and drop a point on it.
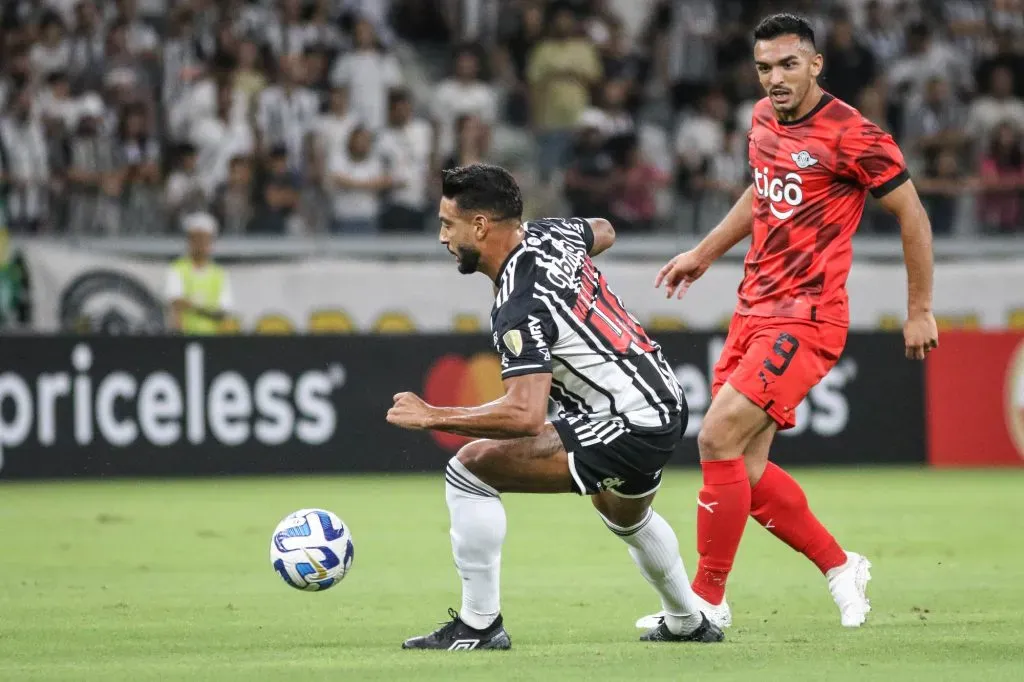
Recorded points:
(513, 341)
(803, 159)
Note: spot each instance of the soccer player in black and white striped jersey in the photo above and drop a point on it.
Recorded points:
(563, 334)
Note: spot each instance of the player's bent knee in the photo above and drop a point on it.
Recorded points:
(475, 456)
(622, 512)
(715, 442)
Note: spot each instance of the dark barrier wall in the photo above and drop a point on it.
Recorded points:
(173, 406)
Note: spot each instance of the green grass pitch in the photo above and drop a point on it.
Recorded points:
(170, 580)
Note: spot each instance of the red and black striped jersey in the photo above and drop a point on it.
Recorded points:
(811, 179)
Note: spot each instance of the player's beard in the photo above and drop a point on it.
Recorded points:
(469, 259)
(797, 93)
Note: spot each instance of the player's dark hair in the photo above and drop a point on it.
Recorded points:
(483, 187)
(784, 24)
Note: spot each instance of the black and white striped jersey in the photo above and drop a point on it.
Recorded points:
(554, 312)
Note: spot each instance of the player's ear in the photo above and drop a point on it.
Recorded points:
(817, 64)
(481, 226)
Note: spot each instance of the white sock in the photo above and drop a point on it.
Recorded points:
(478, 530)
(655, 549)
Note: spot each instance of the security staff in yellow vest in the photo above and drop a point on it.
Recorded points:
(198, 289)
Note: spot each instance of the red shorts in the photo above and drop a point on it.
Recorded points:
(776, 361)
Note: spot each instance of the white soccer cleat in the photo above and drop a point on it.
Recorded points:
(650, 622)
(848, 584)
(719, 615)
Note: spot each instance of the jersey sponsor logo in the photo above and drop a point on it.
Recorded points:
(538, 337)
(562, 272)
(787, 192)
(803, 159)
(513, 341)
(611, 483)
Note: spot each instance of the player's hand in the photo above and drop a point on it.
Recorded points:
(921, 335)
(680, 272)
(410, 412)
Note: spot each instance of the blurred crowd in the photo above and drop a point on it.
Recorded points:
(291, 117)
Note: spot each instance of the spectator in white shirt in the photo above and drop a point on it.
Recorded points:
(618, 122)
(287, 34)
(286, 112)
(220, 138)
(369, 72)
(26, 166)
(200, 103)
(356, 179)
(928, 57)
(702, 136)
(995, 107)
(53, 52)
(330, 130)
(881, 34)
(184, 191)
(55, 104)
(142, 39)
(408, 145)
(464, 93)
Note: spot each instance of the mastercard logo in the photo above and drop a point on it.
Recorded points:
(457, 381)
(1015, 398)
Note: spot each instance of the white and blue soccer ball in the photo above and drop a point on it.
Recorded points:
(311, 549)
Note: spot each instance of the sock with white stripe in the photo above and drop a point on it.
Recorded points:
(477, 531)
(655, 549)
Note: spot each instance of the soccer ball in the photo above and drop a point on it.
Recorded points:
(311, 549)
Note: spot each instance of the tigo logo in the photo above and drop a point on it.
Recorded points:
(456, 381)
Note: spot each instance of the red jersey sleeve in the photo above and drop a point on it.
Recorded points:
(869, 156)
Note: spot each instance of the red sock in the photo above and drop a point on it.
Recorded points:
(722, 510)
(779, 504)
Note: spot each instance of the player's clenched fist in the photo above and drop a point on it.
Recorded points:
(921, 335)
(409, 412)
(680, 272)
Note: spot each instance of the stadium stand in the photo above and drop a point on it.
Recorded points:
(295, 117)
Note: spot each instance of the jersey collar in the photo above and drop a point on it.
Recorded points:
(822, 103)
(504, 264)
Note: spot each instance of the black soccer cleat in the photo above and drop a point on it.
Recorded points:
(457, 636)
(707, 632)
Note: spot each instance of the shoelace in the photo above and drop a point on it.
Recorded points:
(448, 626)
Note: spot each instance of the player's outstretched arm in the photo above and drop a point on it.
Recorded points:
(521, 412)
(604, 235)
(734, 228)
(683, 270)
(920, 332)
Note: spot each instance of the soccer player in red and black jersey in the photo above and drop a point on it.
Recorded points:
(814, 158)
